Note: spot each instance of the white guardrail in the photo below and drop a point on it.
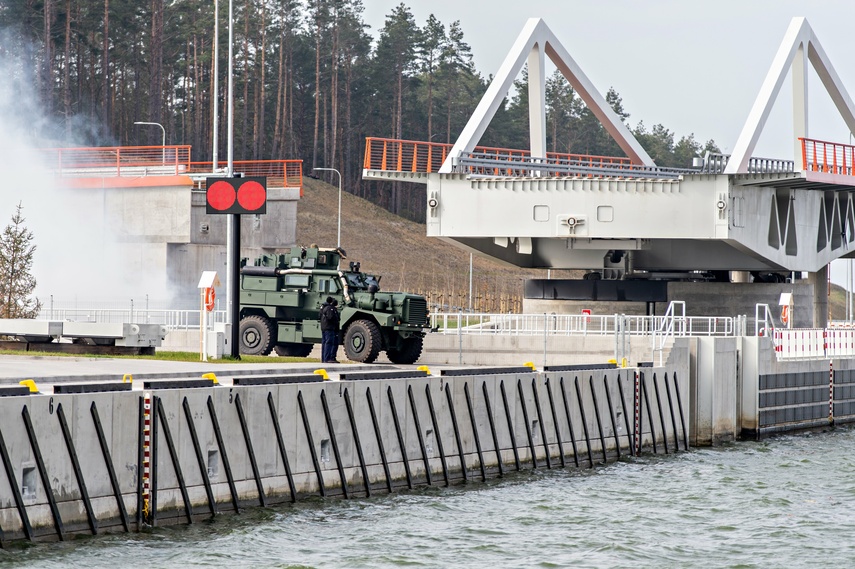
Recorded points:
(801, 343)
(580, 325)
(172, 319)
(660, 329)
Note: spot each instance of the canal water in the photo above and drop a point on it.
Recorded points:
(783, 502)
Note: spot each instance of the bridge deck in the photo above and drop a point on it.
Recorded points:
(822, 163)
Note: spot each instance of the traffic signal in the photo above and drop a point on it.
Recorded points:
(236, 195)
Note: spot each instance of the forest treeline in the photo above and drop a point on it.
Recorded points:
(311, 81)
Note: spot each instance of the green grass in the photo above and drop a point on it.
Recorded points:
(171, 357)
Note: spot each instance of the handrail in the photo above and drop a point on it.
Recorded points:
(117, 160)
(287, 173)
(827, 157)
(574, 324)
(394, 155)
(671, 324)
(125, 161)
(768, 320)
(482, 164)
(172, 319)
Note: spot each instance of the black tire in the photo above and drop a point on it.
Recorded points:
(294, 350)
(409, 353)
(256, 336)
(362, 341)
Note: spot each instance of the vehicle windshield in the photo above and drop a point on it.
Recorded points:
(361, 281)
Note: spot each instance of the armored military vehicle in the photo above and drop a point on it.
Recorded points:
(280, 296)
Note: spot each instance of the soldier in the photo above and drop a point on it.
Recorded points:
(330, 319)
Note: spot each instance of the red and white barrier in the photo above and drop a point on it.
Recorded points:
(814, 343)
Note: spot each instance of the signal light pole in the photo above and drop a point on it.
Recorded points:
(233, 224)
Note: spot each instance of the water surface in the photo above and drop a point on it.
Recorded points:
(788, 501)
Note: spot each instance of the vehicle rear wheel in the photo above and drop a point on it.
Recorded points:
(294, 350)
(362, 341)
(409, 352)
(256, 336)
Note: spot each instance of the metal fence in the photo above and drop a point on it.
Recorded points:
(803, 343)
(137, 311)
(581, 325)
(660, 330)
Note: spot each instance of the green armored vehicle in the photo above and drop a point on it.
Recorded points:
(280, 296)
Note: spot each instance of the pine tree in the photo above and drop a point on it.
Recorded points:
(16, 260)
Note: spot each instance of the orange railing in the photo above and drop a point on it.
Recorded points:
(287, 173)
(118, 160)
(129, 161)
(404, 155)
(828, 157)
(426, 157)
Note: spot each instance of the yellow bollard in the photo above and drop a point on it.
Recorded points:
(322, 373)
(212, 377)
(425, 369)
(31, 384)
(127, 378)
(623, 362)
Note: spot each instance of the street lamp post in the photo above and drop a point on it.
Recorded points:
(338, 235)
(163, 140)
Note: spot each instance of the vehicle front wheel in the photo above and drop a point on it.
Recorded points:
(362, 341)
(256, 336)
(294, 350)
(409, 352)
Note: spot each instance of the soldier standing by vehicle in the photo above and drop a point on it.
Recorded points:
(330, 319)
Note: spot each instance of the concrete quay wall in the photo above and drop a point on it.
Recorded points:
(741, 390)
(167, 456)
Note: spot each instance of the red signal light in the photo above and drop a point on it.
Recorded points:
(236, 195)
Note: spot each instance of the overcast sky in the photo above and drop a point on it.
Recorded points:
(695, 67)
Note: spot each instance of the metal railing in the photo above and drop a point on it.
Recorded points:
(828, 157)
(802, 343)
(673, 324)
(393, 155)
(483, 164)
(172, 319)
(715, 163)
(579, 325)
(138, 161)
(118, 161)
(279, 173)
(763, 319)
(130, 312)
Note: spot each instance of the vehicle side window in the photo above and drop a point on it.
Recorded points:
(297, 281)
(327, 285)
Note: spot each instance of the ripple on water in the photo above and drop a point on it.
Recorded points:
(787, 501)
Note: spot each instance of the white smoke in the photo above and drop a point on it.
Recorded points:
(76, 257)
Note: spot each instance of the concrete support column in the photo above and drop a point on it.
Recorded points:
(819, 280)
(537, 101)
(800, 102)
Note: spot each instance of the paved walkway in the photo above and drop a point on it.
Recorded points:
(49, 370)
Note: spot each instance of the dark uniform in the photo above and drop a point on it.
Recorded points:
(330, 323)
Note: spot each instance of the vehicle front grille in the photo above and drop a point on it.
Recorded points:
(416, 311)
